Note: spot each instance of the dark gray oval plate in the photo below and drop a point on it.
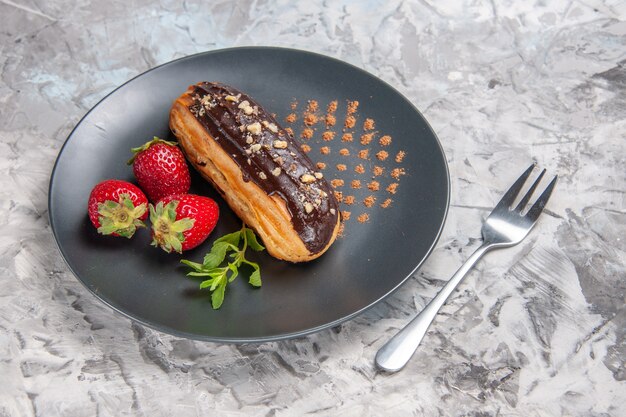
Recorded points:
(364, 266)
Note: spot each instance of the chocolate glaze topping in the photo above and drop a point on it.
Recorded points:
(270, 157)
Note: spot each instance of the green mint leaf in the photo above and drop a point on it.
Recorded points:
(255, 277)
(220, 276)
(234, 271)
(198, 274)
(207, 283)
(252, 240)
(218, 252)
(193, 265)
(217, 297)
(237, 258)
(232, 238)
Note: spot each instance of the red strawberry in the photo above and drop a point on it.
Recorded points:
(182, 222)
(117, 208)
(160, 169)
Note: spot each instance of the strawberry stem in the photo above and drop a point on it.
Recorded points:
(145, 146)
(167, 232)
(120, 217)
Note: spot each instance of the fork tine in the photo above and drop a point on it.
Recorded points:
(537, 208)
(509, 196)
(522, 203)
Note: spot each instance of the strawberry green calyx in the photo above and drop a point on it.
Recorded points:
(145, 146)
(167, 232)
(121, 217)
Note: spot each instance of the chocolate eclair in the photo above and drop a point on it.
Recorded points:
(258, 168)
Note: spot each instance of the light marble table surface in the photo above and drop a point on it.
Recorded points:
(536, 330)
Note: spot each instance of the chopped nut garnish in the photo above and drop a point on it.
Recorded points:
(279, 160)
(249, 161)
(234, 99)
(254, 128)
(308, 207)
(207, 101)
(249, 139)
(400, 156)
(385, 140)
(270, 126)
(280, 144)
(332, 211)
(307, 178)
(293, 167)
(256, 147)
(262, 175)
(276, 171)
(317, 201)
(382, 155)
(347, 137)
(245, 106)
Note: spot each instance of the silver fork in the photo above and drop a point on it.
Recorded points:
(503, 228)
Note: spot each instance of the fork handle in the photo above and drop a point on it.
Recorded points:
(398, 350)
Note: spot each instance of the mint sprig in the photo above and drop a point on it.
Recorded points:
(220, 276)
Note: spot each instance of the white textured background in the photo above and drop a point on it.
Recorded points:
(536, 330)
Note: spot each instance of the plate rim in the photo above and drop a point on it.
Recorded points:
(262, 339)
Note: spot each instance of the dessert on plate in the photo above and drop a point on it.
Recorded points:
(258, 168)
